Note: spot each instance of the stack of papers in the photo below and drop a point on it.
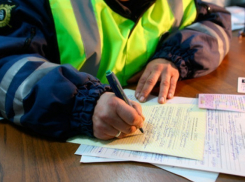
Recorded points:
(199, 143)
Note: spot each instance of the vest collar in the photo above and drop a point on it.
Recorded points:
(136, 9)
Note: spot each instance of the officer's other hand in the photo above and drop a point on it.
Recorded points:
(111, 115)
(158, 70)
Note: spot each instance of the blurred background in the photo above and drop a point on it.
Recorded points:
(224, 3)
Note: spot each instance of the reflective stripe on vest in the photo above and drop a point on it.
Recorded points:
(93, 38)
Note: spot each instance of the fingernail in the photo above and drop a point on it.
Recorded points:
(141, 125)
(142, 99)
(170, 95)
(137, 95)
(143, 117)
(161, 100)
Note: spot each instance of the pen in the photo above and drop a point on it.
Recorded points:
(117, 88)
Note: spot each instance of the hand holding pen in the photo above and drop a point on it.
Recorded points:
(118, 90)
(113, 117)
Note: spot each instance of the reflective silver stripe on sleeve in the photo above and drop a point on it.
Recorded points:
(205, 29)
(177, 9)
(6, 81)
(26, 86)
(227, 42)
(90, 35)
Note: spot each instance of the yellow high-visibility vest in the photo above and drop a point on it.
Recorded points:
(93, 38)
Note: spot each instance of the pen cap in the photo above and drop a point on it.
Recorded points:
(108, 72)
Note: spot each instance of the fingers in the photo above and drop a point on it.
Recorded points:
(105, 131)
(138, 108)
(167, 87)
(173, 84)
(108, 131)
(162, 70)
(164, 87)
(131, 116)
(146, 83)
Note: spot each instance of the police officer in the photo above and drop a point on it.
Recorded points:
(54, 55)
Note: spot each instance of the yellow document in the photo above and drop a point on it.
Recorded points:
(171, 129)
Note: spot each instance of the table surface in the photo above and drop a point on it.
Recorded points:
(24, 156)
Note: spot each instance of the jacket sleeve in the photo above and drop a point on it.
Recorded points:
(35, 92)
(199, 48)
(50, 99)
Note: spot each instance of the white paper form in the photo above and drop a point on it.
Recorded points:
(192, 175)
(224, 147)
(93, 159)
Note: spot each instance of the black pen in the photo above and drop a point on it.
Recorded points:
(117, 88)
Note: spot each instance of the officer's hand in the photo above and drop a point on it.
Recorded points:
(158, 70)
(112, 115)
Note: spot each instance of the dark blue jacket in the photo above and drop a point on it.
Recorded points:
(56, 100)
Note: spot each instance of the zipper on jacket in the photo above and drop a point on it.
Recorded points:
(29, 39)
(137, 18)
